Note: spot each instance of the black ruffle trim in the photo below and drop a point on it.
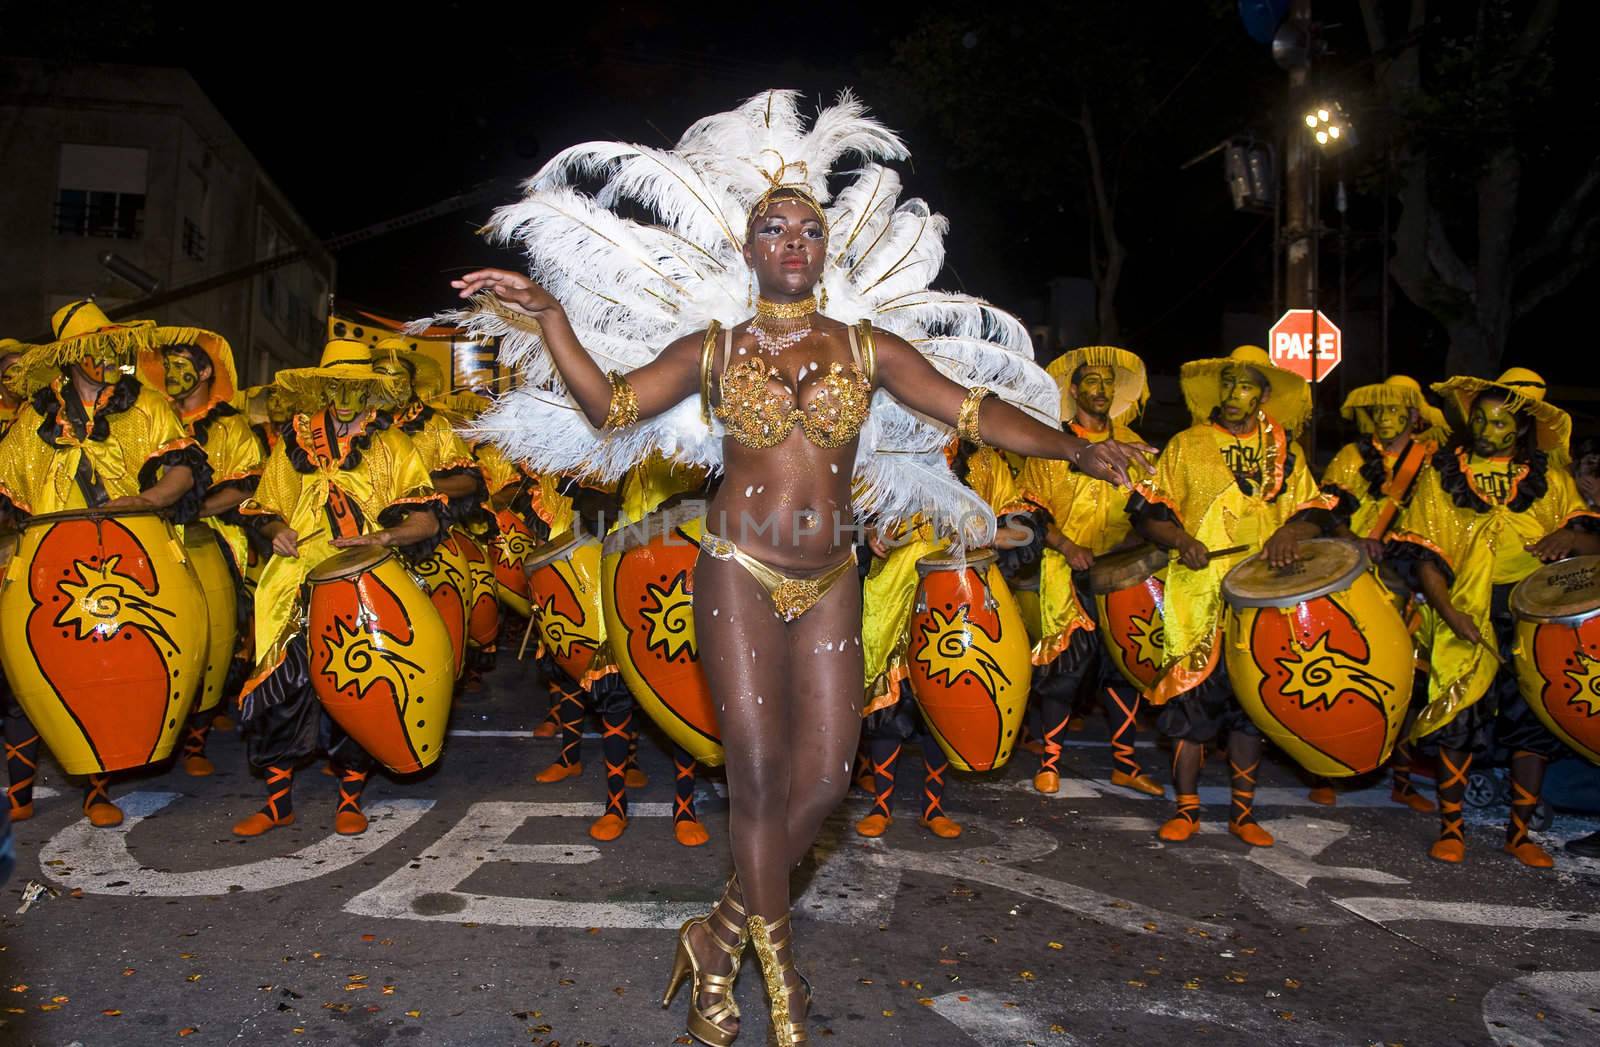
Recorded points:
(50, 406)
(1018, 562)
(1347, 503)
(1533, 487)
(1372, 468)
(301, 460)
(1325, 520)
(467, 507)
(187, 508)
(202, 426)
(1406, 557)
(418, 552)
(1141, 510)
(248, 485)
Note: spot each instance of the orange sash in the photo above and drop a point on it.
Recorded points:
(1406, 471)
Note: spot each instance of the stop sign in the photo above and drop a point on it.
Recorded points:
(1291, 343)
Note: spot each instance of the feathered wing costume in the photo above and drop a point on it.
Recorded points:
(631, 287)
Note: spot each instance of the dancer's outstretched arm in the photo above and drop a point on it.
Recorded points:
(660, 384)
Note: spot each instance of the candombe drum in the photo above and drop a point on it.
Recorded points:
(449, 585)
(104, 636)
(380, 657)
(1128, 593)
(564, 584)
(1319, 658)
(647, 573)
(968, 659)
(1025, 591)
(483, 605)
(1557, 651)
(210, 565)
(509, 553)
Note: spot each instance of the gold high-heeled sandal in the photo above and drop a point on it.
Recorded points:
(706, 1025)
(784, 1031)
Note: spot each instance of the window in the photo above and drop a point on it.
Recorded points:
(194, 241)
(101, 191)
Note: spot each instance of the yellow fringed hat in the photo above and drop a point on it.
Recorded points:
(1288, 402)
(82, 331)
(1398, 390)
(1133, 388)
(1524, 390)
(460, 407)
(428, 381)
(224, 376)
(343, 360)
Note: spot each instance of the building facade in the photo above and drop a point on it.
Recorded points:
(123, 181)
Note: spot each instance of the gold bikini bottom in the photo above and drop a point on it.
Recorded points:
(791, 597)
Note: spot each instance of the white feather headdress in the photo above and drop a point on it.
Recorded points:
(631, 287)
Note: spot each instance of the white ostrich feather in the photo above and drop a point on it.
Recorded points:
(631, 287)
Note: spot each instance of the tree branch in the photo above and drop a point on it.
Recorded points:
(1583, 254)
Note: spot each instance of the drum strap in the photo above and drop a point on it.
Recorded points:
(94, 492)
(344, 516)
(1398, 489)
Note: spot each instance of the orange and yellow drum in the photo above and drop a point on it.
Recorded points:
(1319, 658)
(449, 589)
(103, 634)
(210, 565)
(509, 553)
(380, 657)
(483, 604)
(1557, 651)
(1026, 592)
(1128, 594)
(647, 570)
(564, 585)
(968, 659)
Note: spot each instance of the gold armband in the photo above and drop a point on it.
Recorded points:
(967, 417)
(624, 410)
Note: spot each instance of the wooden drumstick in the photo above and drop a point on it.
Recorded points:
(526, 633)
(1232, 550)
(1487, 646)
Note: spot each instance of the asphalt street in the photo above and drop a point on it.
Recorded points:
(477, 910)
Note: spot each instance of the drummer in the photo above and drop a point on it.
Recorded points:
(338, 478)
(1235, 477)
(92, 436)
(1497, 502)
(1373, 480)
(202, 384)
(1103, 389)
(22, 741)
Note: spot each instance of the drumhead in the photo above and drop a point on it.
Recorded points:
(1326, 565)
(653, 526)
(1116, 571)
(347, 562)
(1566, 593)
(555, 549)
(87, 514)
(978, 561)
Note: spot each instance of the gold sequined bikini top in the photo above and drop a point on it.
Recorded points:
(759, 416)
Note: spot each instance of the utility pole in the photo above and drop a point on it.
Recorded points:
(1299, 236)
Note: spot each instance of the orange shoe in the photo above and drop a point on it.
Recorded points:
(1077, 724)
(545, 730)
(349, 823)
(21, 812)
(1251, 833)
(690, 833)
(608, 827)
(1448, 850)
(104, 815)
(197, 766)
(873, 826)
(1047, 782)
(1033, 746)
(868, 784)
(222, 722)
(327, 769)
(261, 822)
(1324, 795)
(1530, 854)
(1414, 800)
(635, 778)
(941, 827)
(1178, 829)
(559, 772)
(1138, 783)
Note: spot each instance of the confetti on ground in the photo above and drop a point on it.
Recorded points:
(188, 1031)
(113, 1013)
(413, 1014)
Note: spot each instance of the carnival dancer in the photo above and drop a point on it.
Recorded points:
(791, 391)
(92, 436)
(202, 384)
(1497, 502)
(1103, 389)
(340, 477)
(1373, 480)
(22, 741)
(1235, 477)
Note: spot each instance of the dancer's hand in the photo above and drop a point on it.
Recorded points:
(286, 543)
(1113, 460)
(1193, 553)
(514, 289)
(1557, 545)
(1461, 625)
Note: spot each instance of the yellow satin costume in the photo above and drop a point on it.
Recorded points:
(1344, 475)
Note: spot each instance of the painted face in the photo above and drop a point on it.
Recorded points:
(103, 372)
(347, 400)
(181, 375)
(1389, 421)
(10, 371)
(1587, 465)
(786, 248)
(1494, 428)
(1096, 390)
(278, 406)
(395, 369)
(1242, 390)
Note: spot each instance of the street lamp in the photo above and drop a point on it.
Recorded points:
(1330, 127)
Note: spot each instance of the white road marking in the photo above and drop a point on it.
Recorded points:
(528, 734)
(98, 860)
(1546, 1009)
(1210, 795)
(988, 1021)
(1525, 917)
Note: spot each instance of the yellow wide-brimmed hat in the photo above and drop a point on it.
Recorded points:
(83, 332)
(1524, 391)
(1398, 390)
(460, 407)
(1133, 388)
(1288, 402)
(343, 360)
(428, 381)
(224, 376)
(10, 346)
